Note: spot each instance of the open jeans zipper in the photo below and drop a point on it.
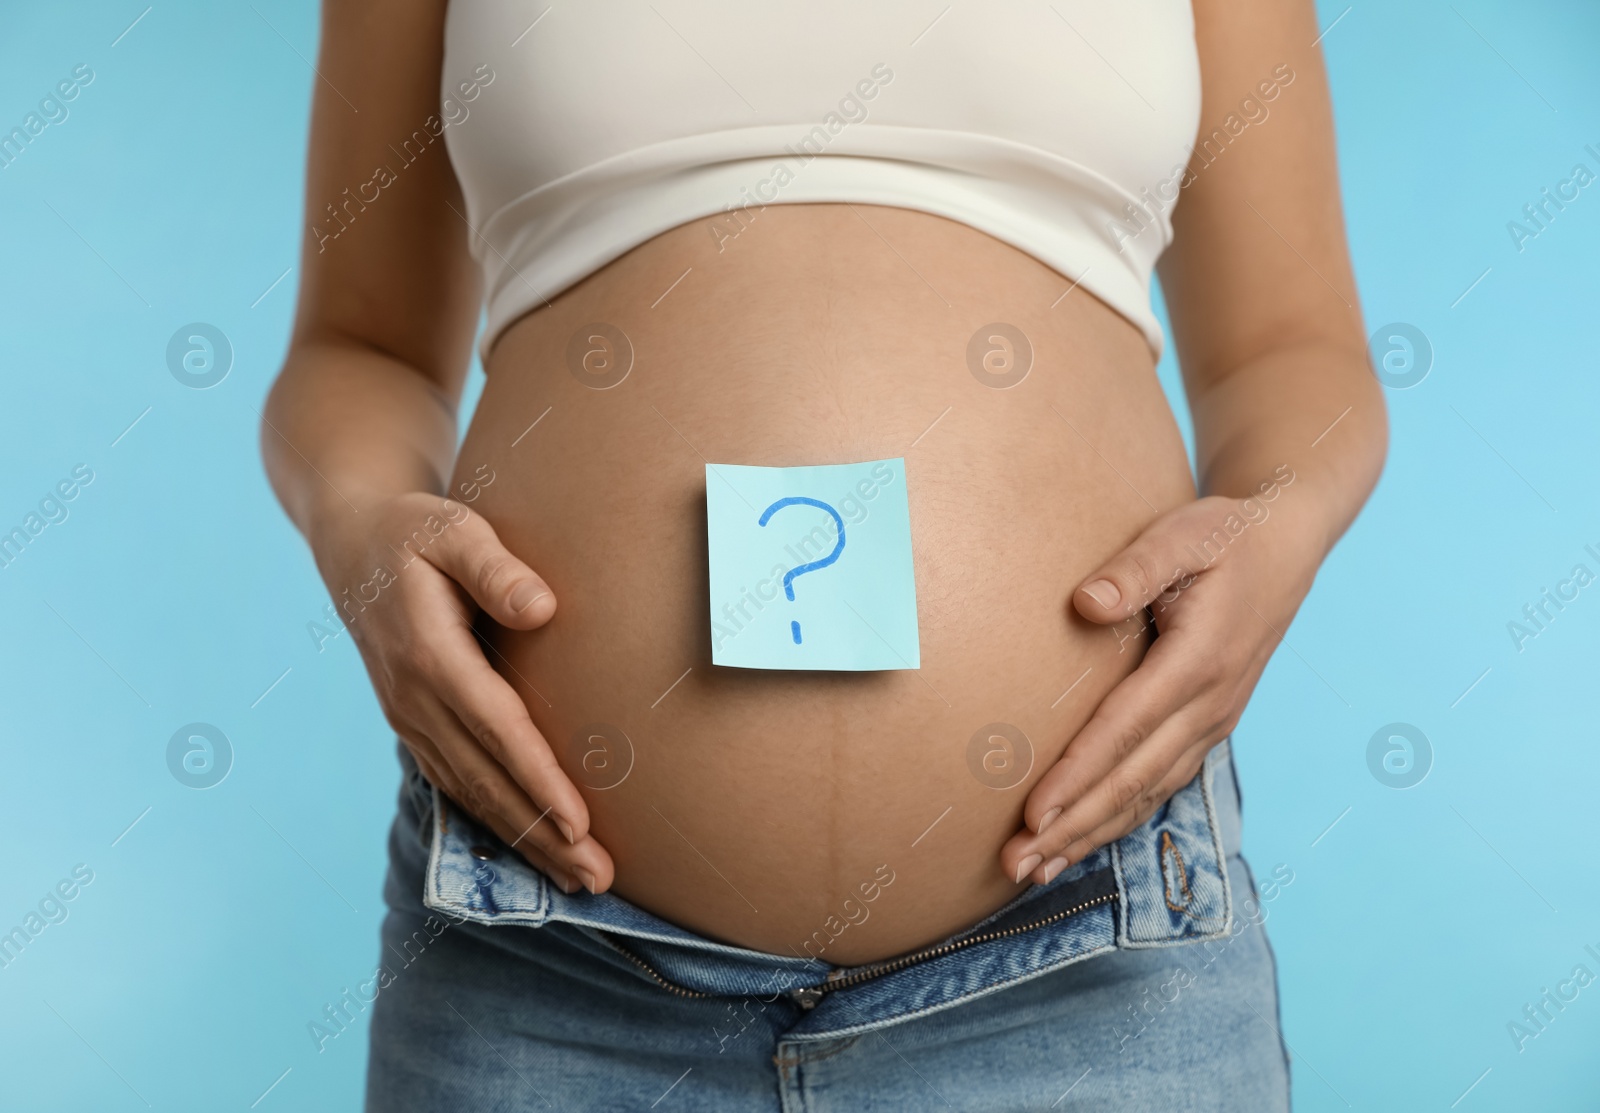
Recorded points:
(807, 997)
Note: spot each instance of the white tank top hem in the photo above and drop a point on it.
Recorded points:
(552, 203)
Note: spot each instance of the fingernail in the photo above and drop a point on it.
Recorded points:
(565, 828)
(568, 885)
(1026, 866)
(587, 878)
(525, 596)
(1103, 592)
(1055, 866)
(1048, 818)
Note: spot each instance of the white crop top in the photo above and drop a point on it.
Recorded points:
(1059, 128)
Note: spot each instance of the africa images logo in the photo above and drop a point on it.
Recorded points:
(1536, 617)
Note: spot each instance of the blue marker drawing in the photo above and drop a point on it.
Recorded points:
(862, 619)
(789, 576)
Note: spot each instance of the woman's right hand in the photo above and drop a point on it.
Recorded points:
(411, 617)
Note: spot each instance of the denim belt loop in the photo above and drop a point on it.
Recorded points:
(1172, 874)
(502, 889)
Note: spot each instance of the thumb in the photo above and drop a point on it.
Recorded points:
(511, 593)
(1161, 562)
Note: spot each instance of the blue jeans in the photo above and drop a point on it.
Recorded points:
(1140, 978)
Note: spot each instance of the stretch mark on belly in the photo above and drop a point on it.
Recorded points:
(789, 576)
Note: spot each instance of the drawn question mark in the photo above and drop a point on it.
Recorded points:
(789, 576)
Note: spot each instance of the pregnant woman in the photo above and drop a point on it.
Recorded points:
(790, 234)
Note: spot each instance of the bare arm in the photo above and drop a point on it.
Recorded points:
(359, 434)
(1289, 424)
(1259, 284)
(389, 294)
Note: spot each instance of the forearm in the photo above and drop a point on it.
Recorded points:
(1314, 408)
(345, 425)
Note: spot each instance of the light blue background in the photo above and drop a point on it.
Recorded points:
(225, 920)
(857, 613)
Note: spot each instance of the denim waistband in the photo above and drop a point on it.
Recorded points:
(1164, 884)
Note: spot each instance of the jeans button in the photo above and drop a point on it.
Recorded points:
(484, 853)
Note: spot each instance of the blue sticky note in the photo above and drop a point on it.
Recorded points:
(811, 567)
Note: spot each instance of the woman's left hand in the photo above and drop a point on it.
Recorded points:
(1223, 578)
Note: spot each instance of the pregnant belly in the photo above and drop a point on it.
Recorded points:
(847, 816)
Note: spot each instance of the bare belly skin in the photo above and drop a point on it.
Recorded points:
(826, 814)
